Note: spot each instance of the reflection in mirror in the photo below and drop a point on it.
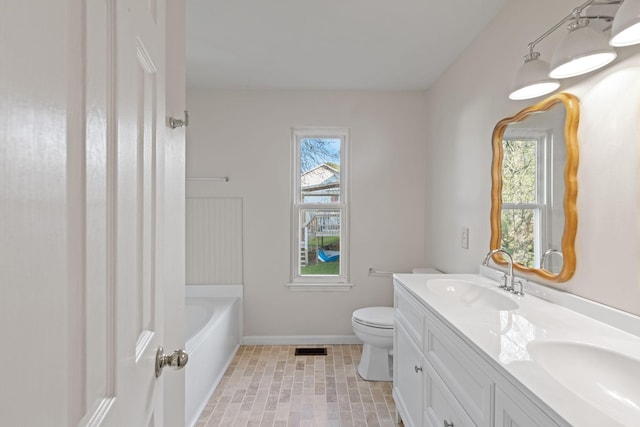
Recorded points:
(533, 214)
(533, 159)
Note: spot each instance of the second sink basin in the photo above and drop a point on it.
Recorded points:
(607, 379)
(470, 294)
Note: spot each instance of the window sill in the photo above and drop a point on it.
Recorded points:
(319, 287)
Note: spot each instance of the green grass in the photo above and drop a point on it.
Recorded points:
(325, 241)
(321, 268)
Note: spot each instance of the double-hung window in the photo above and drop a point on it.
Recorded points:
(525, 195)
(320, 207)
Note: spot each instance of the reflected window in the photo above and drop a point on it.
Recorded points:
(524, 196)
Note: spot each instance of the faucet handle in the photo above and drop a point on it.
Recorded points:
(503, 282)
(520, 290)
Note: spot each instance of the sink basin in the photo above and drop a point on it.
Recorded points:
(470, 294)
(606, 379)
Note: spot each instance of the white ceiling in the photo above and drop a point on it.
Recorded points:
(328, 44)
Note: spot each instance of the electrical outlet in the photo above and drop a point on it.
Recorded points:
(464, 238)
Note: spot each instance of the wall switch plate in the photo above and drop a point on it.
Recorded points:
(464, 239)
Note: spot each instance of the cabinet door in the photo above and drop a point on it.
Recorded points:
(460, 368)
(441, 406)
(522, 414)
(407, 385)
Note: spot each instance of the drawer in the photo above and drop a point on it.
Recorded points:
(460, 369)
(441, 407)
(410, 314)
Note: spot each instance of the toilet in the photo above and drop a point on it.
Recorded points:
(374, 327)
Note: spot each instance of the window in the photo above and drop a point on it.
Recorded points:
(524, 195)
(320, 207)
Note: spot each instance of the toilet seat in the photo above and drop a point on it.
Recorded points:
(374, 317)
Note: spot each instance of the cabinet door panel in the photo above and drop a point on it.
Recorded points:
(522, 414)
(441, 407)
(407, 386)
(460, 369)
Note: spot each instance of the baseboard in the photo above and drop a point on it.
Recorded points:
(301, 340)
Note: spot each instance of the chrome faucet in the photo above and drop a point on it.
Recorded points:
(508, 276)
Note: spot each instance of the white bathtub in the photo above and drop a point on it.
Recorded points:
(213, 331)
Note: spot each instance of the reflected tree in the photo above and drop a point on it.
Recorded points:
(519, 171)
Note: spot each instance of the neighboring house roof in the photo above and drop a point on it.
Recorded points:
(322, 177)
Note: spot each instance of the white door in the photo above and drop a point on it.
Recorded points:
(91, 208)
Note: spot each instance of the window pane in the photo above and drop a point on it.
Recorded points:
(320, 170)
(319, 242)
(518, 234)
(519, 171)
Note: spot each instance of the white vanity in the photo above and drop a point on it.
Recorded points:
(469, 354)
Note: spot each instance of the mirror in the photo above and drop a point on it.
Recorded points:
(534, 188)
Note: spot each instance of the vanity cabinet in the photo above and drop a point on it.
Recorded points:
(459, 368)
(441, 408)
(440, 380)
(408, 377)
(523, 413)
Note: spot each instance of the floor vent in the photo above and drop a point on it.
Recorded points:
(311, 351)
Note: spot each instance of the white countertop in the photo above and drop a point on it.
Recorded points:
(505, 336)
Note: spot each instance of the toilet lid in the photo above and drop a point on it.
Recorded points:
(377, 317)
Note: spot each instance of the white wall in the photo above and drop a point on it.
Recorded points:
(471, 97)
(246, 135)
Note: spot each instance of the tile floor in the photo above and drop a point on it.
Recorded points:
(270, 386)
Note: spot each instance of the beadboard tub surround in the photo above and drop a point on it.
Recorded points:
(514, 342)
(214, 237)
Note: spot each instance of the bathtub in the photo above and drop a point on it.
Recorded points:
(213, 332)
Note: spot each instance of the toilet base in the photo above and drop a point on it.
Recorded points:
(376, 363)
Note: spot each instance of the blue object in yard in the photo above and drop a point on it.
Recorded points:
(329, 256)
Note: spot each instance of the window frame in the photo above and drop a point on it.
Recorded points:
(338, 282)
(542, 206)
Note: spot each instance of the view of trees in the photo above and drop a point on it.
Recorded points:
(316, 151)
(519, 180)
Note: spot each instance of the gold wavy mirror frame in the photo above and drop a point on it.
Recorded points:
(572, 114)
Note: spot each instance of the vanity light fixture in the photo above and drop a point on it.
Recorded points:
(625, 30)
(532, 78)
(582, 50)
